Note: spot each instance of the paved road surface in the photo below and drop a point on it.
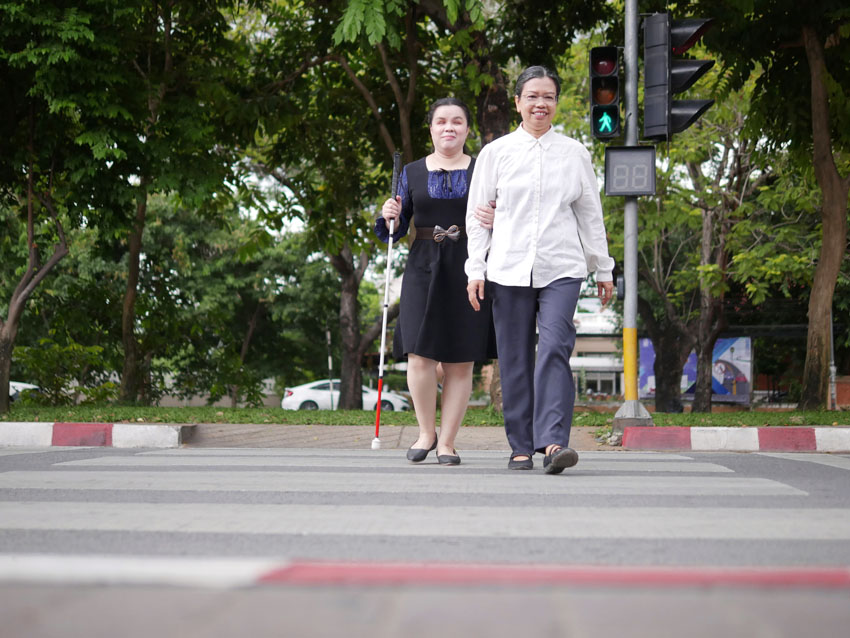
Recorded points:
(327, 542)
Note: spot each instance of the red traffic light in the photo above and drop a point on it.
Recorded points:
(604, 66)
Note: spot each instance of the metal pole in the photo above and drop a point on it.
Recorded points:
(832, 400)
(330, 368)
(632, 411)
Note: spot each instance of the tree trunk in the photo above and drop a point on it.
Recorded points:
(7, 343)
(834, 217)
(711, 319)
(704, 390)
(243, 352)
(33, 276)
(495, 106)
(351, 375)
(671, 353)
(130, 376)
(673, 344)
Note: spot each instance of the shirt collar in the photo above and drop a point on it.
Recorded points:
(546, 140)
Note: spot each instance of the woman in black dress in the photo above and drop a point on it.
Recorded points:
(436, 324)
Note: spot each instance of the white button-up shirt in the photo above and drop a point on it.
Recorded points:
(548, 222)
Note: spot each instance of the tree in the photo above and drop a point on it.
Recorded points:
(57, 72)
(800, 101)
(186, 122)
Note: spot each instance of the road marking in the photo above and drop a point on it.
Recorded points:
(840, 462)
(566, 521)
(133, 570)
(383, 574)
(444, 482)
(16, 451)
(396, 455)
(104, 570)
(591, 465)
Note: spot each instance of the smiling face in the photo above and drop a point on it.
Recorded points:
(449, 129)
(537, 105)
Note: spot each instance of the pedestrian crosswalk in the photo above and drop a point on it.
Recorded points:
(310, 542)
(285, 504)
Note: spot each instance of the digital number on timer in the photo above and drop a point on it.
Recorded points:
(630, 170)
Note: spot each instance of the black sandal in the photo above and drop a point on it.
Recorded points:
(560, 459)
(524, 464)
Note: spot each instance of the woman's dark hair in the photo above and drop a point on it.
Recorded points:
(533, 72)
(450, 101)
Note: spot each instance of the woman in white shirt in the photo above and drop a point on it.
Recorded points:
(548, 233)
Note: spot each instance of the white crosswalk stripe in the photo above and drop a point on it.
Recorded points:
(498, 522)
(390, 483)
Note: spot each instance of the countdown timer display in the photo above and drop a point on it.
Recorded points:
(629, 170)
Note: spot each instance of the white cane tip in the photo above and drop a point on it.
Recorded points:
(376, 443)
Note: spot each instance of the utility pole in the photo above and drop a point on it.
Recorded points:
(632, 412)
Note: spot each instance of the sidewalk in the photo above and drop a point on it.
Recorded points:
(224, 435)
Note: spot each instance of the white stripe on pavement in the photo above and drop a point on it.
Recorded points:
(398, 454)
(841, 462)
(444, 482)
(657, 523)
(399, 464)
(132, 570)
(22, 450)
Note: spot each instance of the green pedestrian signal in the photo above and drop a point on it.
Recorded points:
(605, 92)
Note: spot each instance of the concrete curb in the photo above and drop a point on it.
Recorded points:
(120, 435)
(767, 439)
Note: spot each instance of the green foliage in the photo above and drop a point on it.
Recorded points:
(58, 369)
(369, 17)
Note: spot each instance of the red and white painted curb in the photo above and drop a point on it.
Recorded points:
(738, 439)
(231, 573)
(125, 435)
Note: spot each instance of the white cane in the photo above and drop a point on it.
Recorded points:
(376, 442)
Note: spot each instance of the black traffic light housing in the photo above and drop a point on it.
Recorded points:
(605, 92)
(664, 77)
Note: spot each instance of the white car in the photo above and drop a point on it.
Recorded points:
(16, 387)
(318, 395)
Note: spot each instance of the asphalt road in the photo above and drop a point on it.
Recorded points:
(321, 542)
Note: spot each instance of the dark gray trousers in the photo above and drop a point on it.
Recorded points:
(537, 397)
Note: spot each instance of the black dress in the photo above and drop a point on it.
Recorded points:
(435, 319)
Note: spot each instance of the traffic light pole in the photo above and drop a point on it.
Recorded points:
(632, 411)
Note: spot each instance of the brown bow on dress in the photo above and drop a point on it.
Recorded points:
(452, 233)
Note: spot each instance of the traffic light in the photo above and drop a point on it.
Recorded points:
(604, 92)
(664, 77)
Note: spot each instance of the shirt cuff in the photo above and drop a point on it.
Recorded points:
(383, 233)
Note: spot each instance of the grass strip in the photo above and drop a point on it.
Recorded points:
(474, 416)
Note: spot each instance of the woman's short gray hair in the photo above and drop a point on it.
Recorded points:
(533, 72)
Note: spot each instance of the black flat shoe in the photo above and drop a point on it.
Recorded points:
(523, 464)
(418, 454)
(560, 459)
(448, 459)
